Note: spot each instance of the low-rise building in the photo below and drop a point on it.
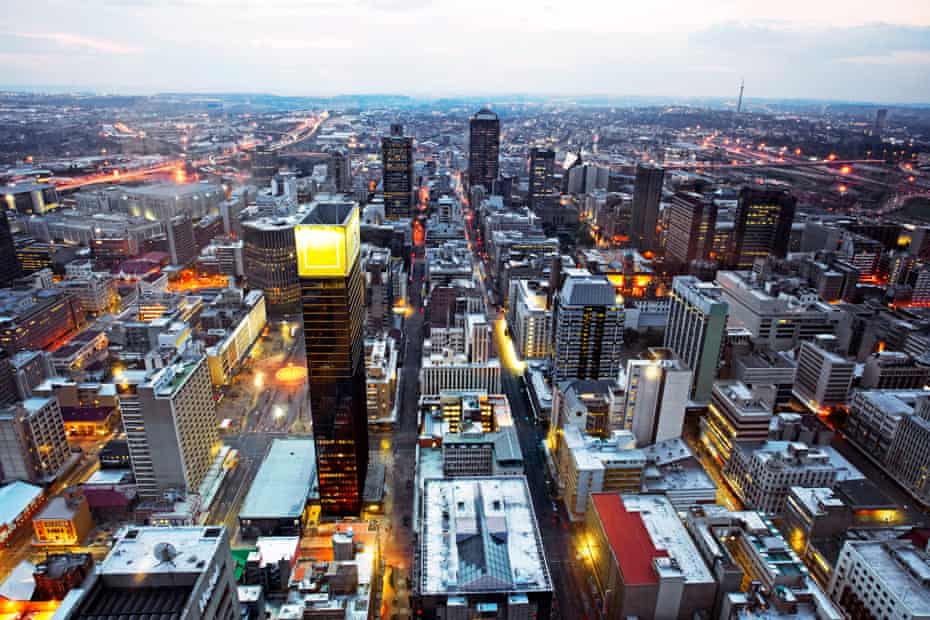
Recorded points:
(19, 501)
(673, 470)
(276, 504)
(65, 520)
(882, 580)
(381, 380)
(480, 551)
(587, 465)
(643, 561)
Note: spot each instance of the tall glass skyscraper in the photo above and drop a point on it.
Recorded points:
(397, 162)
(647, 194)
(762, 225)
(332, 295)
(484, 143)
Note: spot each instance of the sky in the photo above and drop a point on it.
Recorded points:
(860, 50)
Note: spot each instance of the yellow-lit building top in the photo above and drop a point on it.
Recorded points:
(328, 241)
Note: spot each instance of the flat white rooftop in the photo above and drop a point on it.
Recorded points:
(480, 535)
(283, 482)
(145, 550)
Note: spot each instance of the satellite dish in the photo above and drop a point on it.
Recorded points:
(165, 552)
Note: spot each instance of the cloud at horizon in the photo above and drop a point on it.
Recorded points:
(824, 50)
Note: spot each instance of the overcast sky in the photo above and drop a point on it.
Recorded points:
(866, 50)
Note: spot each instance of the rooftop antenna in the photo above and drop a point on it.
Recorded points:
(739, 102)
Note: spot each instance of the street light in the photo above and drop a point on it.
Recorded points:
(259, 380)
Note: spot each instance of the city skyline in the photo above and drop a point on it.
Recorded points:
(833, 51)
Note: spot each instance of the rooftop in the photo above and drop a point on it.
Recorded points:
(160, 550)
(283, 482)
(903, 569)
(15, 498)
(480, 535)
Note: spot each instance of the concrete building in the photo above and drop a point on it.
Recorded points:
(162, 202)
(529, 319)
(735, 414)
(762, 473)
(65, 521)
(381, 380)
(672, 470)
(595, 407)
(757, 572)
(656, 394)
(893, 370)
(33, 444)
(762, 366)
(587, 329)
(823, 378)
(36, 319)
(473, 430)
(185, 572)
(778, 319)
(875, 415)
(182, 242)
(882, 580)
(587, 464)
(480, 550)
(442, 372)
(643, 561)
(170, 421)
(909, 452)
(237, 322)
(696, 326)
(276, 504)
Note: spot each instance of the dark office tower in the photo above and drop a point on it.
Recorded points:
(691, 223)
(647, 193)
(484, 143)
(182, 242)
(268, 251)
(397, 166)
(332, 294)
(542, 175)
(264, 164)
(762, 225)
(339, 170)
(9, 263)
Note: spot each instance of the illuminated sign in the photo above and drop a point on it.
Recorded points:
(327, 250)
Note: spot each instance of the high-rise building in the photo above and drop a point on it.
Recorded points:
(332, 292)
(269, 254)
(587, 332)
(397, 171)
(762, 225)
(183, 573)
(339, 170)
(697, 321)
(264, 165)
(484, 141)
(824, 378)
(647, 193)
(657, 391)
(691, 224)
(9, 263)
(33, 445)
(542, 175)
(170, 421)
(182, 241)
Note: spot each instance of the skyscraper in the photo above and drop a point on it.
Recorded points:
(9, 263)
(332, 294)
(264, 164)
(182, 242)
(397, 173)
(339, 170)
(587, 333)
(697, 320)
(484, 141)
(691, 223)
(268, 251)
(647, 193)
(542, 174)
(762, 225)
(170, 420)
